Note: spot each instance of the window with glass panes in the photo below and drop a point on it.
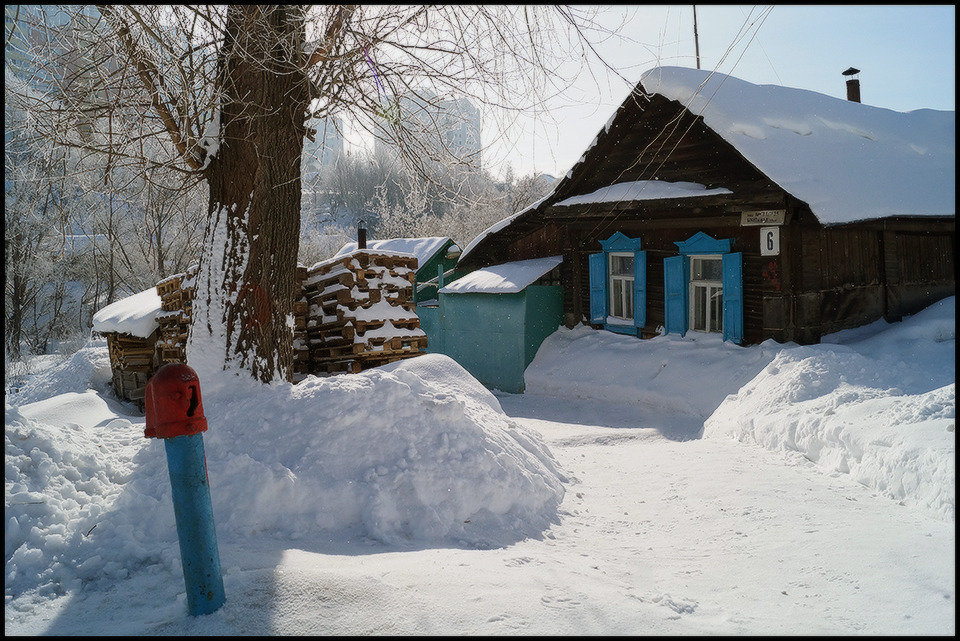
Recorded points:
(621, 285)
(706, 293)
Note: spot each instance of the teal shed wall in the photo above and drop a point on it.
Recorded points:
(493, 336)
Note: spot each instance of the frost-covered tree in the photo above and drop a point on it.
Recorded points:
(228, 90)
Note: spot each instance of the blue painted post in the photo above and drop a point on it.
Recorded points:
(199, 554)
(174, 412)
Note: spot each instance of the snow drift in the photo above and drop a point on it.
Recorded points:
(414, 453)
(878, 403)
(689, 375)
(87, 368)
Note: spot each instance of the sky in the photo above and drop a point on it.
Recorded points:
(805, 47)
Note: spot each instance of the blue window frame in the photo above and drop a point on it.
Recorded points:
(618, 285)
(703, 288)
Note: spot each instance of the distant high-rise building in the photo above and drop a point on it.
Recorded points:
(456, 120)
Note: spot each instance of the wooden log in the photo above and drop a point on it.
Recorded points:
(336, 352)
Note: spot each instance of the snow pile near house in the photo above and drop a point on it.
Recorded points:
(135, 315)
(669, 374)
(88, 367)
(417, 453)
(847, 160)
(877, 402)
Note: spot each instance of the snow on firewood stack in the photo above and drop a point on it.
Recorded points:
(361, 311)
(131, 329)
(176, 295)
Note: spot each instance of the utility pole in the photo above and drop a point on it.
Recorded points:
(696, 39)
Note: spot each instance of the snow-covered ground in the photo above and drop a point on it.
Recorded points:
(668, 486)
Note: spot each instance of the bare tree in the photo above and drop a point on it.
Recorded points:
(228, 89)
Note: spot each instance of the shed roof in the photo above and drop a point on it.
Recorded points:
(506, 278)
(423, 248)
(135, 315)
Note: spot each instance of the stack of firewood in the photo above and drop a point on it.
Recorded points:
(131, 363)
(301, 349)
(361, 312)
(176, 301)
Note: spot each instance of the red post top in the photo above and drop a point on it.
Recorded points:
(173, 404)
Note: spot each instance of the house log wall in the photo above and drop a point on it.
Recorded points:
(825, 278)
(855, 274)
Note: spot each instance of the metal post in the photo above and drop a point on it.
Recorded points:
(696, 39)
(174, 413)
(199, 554)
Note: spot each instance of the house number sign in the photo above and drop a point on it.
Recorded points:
(769, 241)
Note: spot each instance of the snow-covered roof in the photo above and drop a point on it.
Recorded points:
(506, 278)
(848, 161)
(643, 190)
(422, 248)
(135, 315)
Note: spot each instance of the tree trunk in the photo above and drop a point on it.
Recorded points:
(243, 310)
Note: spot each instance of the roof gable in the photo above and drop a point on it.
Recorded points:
(848, 161)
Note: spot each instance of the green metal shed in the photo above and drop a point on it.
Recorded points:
(493, 320)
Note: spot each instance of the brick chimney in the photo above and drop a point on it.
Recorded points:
(853, 84)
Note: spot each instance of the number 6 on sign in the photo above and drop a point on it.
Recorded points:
(769, 241)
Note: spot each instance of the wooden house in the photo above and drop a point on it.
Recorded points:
(708, 203)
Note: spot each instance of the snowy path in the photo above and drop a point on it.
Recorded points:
(658, 535)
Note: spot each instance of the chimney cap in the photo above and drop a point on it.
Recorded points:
(850, 71)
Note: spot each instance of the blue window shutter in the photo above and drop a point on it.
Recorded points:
(733, 297)
(639, 288)
(675, 294)
(598, 287)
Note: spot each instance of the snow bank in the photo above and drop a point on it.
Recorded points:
(689, 375)
(878, 403)
(416, 453)
(135, 315)
(87, 368)
(506, 278)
